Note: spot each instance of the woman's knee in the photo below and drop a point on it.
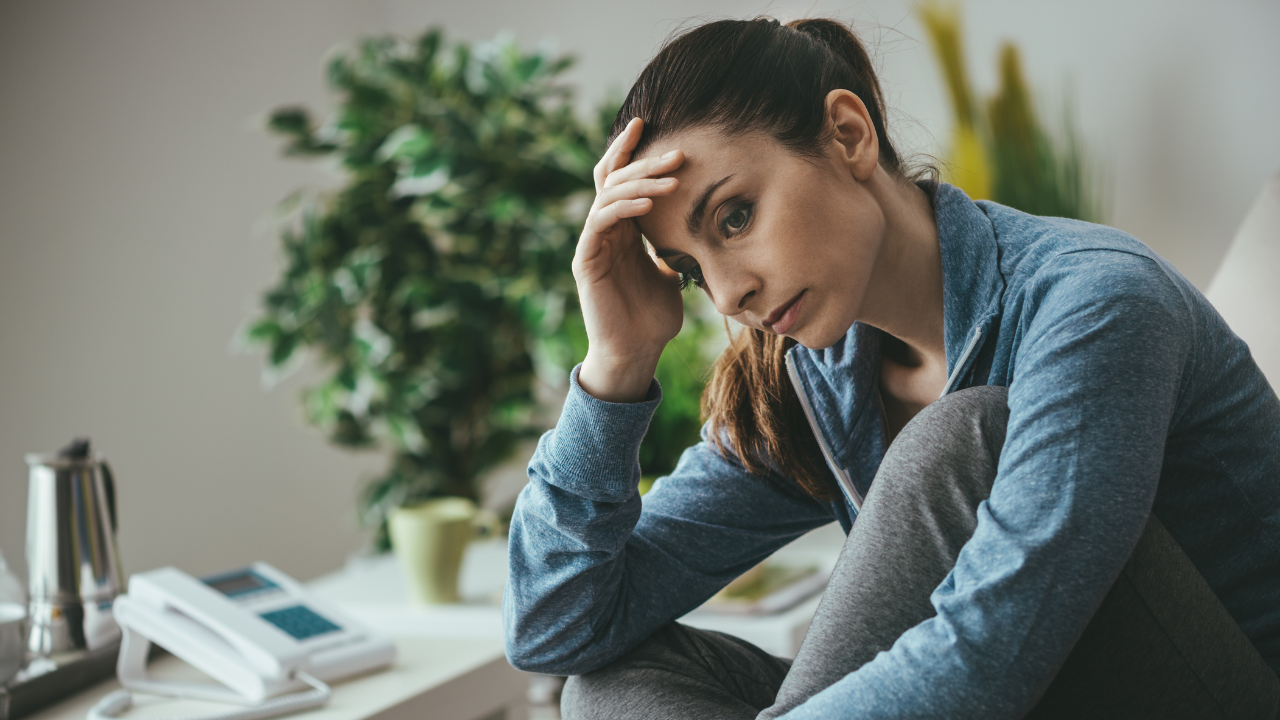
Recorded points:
(604, 692)
(965, 422)
(683, 669)
(982, 410)
(953, 443)
(596, 694)
(580, 699)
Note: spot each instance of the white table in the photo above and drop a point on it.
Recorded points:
(432, 679)
(436, 676)
(451, 664)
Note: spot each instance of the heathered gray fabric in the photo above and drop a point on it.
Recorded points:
(920, 511)
(1161, 645)
(680, 672)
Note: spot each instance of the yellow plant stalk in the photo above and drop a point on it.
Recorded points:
(967, 165)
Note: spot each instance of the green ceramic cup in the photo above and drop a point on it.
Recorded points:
(429, 539)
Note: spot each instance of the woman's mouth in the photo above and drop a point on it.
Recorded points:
(782, 318)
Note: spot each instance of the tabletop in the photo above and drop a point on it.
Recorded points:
(431, 679)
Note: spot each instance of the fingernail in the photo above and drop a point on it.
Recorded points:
(664, 181)
(669, 155)
(639, 201)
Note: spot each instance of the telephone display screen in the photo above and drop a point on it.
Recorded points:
(238, 583)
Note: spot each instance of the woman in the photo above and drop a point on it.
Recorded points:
(1076, 500)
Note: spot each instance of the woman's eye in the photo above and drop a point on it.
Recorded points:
(692, 276)
(735, 220)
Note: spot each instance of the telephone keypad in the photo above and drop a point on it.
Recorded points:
(299, 621)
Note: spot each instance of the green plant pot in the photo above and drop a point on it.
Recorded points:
(429, 539)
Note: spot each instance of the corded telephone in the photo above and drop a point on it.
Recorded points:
(255, 630)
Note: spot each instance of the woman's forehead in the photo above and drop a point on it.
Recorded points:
(706, 147)
(713, 163)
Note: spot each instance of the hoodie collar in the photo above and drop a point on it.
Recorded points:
(972, 285)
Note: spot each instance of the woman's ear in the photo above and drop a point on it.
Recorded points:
(854, 135)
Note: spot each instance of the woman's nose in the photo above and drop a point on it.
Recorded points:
(733, 290)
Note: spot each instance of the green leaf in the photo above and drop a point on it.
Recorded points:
(282, 349)
(263, 332)
(295, 121)
(406, 142)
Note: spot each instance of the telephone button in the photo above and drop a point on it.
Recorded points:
(300, 621)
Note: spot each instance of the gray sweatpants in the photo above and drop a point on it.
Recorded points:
(1161, 645)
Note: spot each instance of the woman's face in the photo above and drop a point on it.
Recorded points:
(778, 242)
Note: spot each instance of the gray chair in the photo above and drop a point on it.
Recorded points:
(1246, 288)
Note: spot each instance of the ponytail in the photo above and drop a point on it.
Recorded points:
(757, 76)
(837, 39)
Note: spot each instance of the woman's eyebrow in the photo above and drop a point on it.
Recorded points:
(694, 222)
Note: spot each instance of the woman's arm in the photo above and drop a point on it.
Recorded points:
(1106, 341)
(593, 571)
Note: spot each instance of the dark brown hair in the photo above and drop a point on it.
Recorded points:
(758, 76)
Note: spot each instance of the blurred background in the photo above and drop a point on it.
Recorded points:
(137, 182)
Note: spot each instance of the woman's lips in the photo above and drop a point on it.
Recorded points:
(781, 319)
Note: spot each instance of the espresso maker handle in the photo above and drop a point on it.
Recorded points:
(109, 486)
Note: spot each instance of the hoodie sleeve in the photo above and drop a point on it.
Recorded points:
(594, 570)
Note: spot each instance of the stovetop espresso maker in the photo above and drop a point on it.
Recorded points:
(72, 560)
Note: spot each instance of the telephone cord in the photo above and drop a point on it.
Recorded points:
(115, 703)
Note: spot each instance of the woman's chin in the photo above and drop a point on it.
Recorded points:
(818, 339)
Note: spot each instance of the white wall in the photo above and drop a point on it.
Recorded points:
(131, 178)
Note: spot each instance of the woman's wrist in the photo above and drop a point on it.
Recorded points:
(617, 380)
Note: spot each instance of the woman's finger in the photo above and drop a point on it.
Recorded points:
(602, 219)
(601, 169)
(645, 168)
(619, 153)
(599, 224)
(608, 161)
(645, 187)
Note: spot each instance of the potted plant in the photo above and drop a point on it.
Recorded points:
(434, 285)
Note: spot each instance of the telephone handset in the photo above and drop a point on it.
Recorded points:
(255, 630)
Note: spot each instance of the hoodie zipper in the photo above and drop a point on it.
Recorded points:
(962, 363)
(842, 477)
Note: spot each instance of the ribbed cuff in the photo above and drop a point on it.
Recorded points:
(595, 450)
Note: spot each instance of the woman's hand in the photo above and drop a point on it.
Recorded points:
(630, 300)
